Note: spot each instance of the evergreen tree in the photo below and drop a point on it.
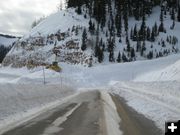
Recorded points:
(124, 58)
(137, 10)
(142, 32)
(79, 11)
(138, 46)
(155, 29)
(100, 55)
(119, 24)
(135, 35)
(173, 14)
(153, 35)
(76, 31)
(150, 55)
(132, 54)
(143, 48)
(125, 16)
(128, 45)
(111, 56)
(178, 15)
(131, 34)
(84, 39)
(119, 57)
(90, 25)
(148, 36)
(99, 11)
(161, 27)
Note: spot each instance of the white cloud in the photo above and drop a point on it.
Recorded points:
(16, 16)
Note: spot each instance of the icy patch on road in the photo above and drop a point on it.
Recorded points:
(111, 116)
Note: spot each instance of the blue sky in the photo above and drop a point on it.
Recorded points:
(16, 16)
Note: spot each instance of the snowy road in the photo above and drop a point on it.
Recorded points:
(89, 113)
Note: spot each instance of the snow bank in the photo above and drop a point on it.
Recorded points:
(169, 73)
(158, 101)
(102, 75)
(111, 116)
(166, 68)
(18, 101)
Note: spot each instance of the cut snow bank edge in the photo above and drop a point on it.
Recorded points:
(112, 119)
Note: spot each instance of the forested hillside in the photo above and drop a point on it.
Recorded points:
(113, 18)
(101, 31)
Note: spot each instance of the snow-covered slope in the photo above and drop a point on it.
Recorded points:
(60, 34)
(62, 20)
(7, 41)
(54, 35)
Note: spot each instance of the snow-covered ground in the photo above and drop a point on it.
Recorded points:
(161, 69)
(151, 87)
(18, 102)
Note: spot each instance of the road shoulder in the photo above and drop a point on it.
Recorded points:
(133, 123)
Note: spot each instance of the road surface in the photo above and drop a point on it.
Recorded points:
(84, 115)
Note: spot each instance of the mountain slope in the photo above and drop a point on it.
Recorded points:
(61, 36)
(7, 40)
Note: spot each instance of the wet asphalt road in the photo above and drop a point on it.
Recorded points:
(84, 115)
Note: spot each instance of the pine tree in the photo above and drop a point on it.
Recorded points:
(142, 32)
(155, 29)
(161, 27)
(137, 10)
(138, 46)
(132, 54)
(135, 35)
(128, 45)
(173, 14)
(119, 57)
(84, 39)
(90, 25)
(119, 24)
(124, 58)
(76, 31)
(125, 16)
(148, 36)
(178, 15)
(150, 55)
(143, 48)
(79, 11)
(153, 35)
(131, 34)
(111, 56)
(96, 51)
(100, 55)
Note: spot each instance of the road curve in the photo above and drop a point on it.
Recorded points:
(85, 115)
